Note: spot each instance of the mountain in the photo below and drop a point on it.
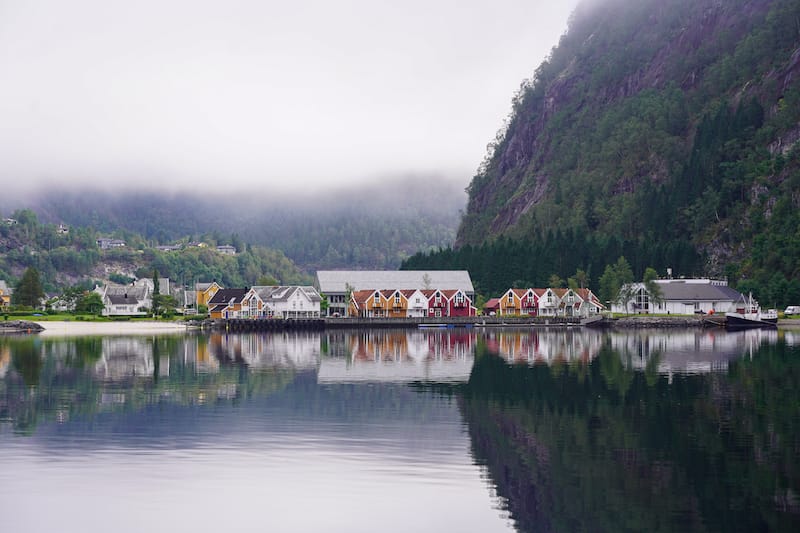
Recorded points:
(372, 226)
(70, 256)
(665, 131)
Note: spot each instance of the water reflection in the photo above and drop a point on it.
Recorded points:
(687, 431)
(545, 429)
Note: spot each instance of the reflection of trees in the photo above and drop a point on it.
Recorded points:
(62, 379)
(603, 448)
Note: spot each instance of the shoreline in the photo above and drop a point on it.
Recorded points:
(73, 328)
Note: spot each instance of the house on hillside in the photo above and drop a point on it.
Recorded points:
(226, 249)
(337, 285)
(680, 297)
(107, 244)
(169, 247)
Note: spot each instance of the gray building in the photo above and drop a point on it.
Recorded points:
(336, 284)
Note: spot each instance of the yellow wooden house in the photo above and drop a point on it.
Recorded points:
(205, 292)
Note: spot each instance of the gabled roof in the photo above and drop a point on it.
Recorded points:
(492, 303)
(519, 293)
(677, 291)
(282, 293)
(202, 287)
(338, 280)
(224, 296)
(360, 297)
(588, 296)
(123, 299)
(138, 292)
(4, 287)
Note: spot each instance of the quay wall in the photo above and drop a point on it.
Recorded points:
(273, 324)
(277, 324)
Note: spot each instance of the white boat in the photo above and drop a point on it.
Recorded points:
(748, 314)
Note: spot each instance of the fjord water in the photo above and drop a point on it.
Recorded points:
(438, 430)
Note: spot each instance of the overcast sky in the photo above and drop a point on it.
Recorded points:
(239, 92)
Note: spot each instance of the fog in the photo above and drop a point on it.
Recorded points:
(281, 96)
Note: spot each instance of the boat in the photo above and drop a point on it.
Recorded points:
(749, 315)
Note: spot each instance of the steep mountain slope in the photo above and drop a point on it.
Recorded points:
(665, 128)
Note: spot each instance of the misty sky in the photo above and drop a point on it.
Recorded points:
(285, 95)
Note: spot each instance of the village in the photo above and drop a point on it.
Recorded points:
(343, 294)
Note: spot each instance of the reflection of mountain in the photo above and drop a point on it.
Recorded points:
(401, 356)
(604, 447)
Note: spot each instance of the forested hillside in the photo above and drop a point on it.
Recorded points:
(74, 258)
(369, 226)
(662, 130)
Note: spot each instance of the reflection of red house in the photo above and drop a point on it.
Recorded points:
(448, 303)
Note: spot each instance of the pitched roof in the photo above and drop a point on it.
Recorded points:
(132, 291)
(123, 299)
(4, 287)
(675, 290)
(282, 293)
(224, 296)
(493, 303)
(337, 280)
(360, 297)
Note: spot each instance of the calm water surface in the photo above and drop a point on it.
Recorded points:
(442, 430)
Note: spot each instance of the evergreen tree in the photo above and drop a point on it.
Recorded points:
(156, 293)
(29, 291)
(89, 303)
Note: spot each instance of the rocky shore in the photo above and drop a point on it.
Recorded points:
(19, 326)
(640, 321)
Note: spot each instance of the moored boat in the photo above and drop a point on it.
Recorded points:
(749, 315)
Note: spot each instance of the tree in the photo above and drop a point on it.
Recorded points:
(156, 293)
(29, 291)
(267, 280)
(164, 304)
(615, 283)
(426, 281)
(555, 281)
(653, 289)
(579, 281)
(89, 303)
